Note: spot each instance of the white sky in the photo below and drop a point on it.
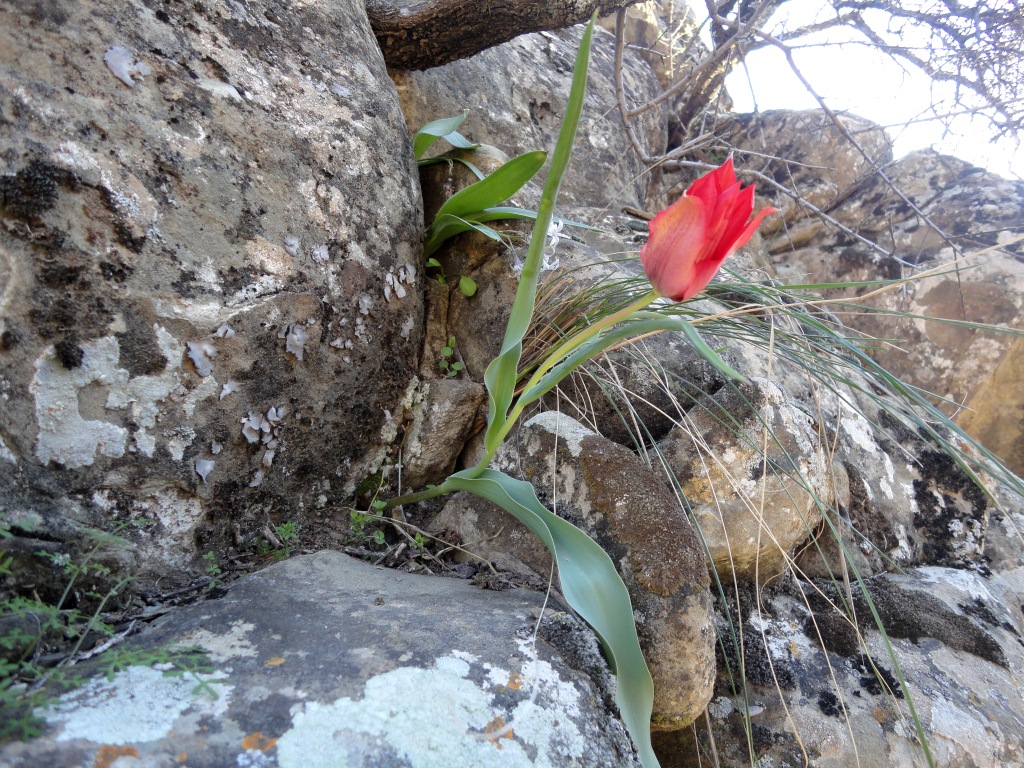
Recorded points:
(861, 80)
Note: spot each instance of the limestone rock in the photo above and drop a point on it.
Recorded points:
(203, 208)
(323, 660)
(605, 490)
(523, 112)
(972, 212)
(828, 169)
(956, 637)
(752, 469)
(443, 411)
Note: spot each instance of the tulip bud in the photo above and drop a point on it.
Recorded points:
(690, 239)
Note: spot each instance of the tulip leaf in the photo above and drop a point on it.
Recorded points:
(591, 585)
(499, 186)
(709, 354)
(441, 129)
(500, 376)
(642, 323)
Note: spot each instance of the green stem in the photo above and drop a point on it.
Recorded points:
(559, 353)
(574, 342)
(412, 498)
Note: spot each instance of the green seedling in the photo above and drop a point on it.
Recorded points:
(211, 568)
(449, 367)
(288, 534)
(33, 629)
(467, 285)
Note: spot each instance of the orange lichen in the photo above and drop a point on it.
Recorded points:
(259, 742)
(108, 754)
(496, 730)
(274, 662)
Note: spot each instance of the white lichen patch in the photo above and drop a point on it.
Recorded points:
(124, 65)
(564, 427)
(202, 354)
(6, 454)
(178, 513)
(224, 646)
(139, 705)
(295, 337)
(461, 723)
(203, 468)
(64, 435)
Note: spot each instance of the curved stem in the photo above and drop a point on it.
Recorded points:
(412, 498)
(574, 342)
(559, 353)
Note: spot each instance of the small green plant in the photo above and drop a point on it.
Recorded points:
(471, 208)
(467, 285)
(361, 520)
(288, 534)
(449, 367)
(211, 568)
(34, 631)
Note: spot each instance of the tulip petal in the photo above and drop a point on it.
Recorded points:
(748, 231)
(691, 238)
(677, 237)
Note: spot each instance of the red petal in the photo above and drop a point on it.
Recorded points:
(709, 186)
(677, 237)
(748, 231)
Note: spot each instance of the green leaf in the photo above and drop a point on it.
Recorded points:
(709, 354)
(431, 132)
(500, 376)
(446, 351)
(592, 586)
(496, 188)
(446, 227)
(468, 286)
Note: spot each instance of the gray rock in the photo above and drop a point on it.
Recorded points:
(808, 153)
(516, 95)
(610, 494)
(203, 210)
(323, 660)
(443, 412)
(975, 214)
(956, 641)
(750, 465)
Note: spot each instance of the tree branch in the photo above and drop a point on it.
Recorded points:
(420, 35)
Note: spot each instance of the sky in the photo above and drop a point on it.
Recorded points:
(861, 80)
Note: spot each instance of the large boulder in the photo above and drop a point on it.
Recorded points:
(609, 493)
(210, 306)
(924, 211)
(323, 660)
(516, 95)
(822, 688)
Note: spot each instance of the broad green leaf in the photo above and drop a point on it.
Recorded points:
(592, 586)
(431, 132)
(496, 188)
(468, 286)
(500, 376)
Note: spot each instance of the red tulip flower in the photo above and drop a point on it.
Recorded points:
(690, 239)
